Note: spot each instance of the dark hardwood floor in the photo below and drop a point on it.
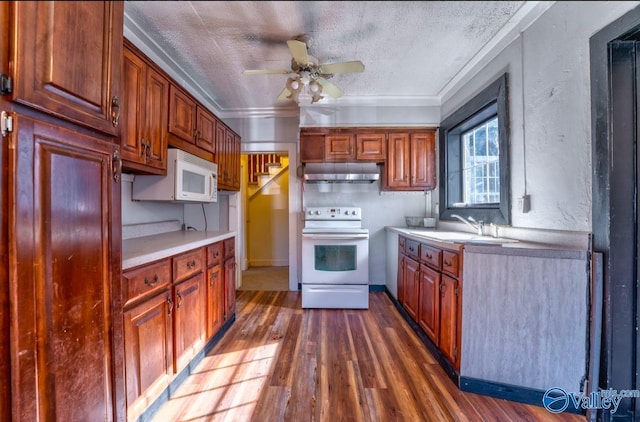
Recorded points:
(279, 362)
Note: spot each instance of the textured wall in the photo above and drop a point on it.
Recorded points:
(550, 112)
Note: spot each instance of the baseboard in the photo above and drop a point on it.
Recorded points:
(168, 392)
(508, 392)
(447, 366)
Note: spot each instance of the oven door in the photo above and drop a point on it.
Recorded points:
(336, 258)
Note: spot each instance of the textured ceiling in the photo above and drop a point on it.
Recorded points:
(410, 49)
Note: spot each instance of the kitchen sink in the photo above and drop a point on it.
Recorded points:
(461, 237)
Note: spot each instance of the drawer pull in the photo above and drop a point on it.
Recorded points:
(442, 288)
(151, 283)
(429, 256)
(191, 264)
(447, 263)
(170, 302)
(179, 299)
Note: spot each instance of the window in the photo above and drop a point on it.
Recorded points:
(474, 168)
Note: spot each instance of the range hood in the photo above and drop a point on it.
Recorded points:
(341, 172)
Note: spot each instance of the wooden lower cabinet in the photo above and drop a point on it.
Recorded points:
(215, 300)
(411, 287)
(148, 335)
(429, 309)
(189, 320)
(430, 292)
(449, 318)
(230, 287)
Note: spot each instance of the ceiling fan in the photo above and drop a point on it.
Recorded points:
(308, 72)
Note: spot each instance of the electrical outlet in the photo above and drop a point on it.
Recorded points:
(524, 204)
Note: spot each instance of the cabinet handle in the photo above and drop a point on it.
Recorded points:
(116, 165)
(429, 256)
(212, 277)
(195, 134)
(191, 264)
(447, 263)
(144, 146)
(442, 289)
(170, 302)
(115, 110)
(151, 283)
(179, 299)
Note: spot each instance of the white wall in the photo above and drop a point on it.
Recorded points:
(550, 112)
(136, 212)
(379, 209)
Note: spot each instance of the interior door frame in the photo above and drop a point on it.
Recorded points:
(295, 202)
(614, 181)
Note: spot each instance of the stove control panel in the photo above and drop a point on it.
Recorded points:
(333, 213)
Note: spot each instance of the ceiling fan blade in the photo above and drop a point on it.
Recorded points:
(267, 72)
(298, 51)
(330, 88)
(284, 94)
(345, 67)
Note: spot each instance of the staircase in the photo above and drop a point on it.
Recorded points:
(262, 169)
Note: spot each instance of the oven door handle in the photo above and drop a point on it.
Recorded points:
(335, 236)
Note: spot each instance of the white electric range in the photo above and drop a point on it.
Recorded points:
(335, 259)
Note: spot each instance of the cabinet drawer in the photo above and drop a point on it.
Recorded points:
(214, 254)
(450, 263)
(146, 280)
(187, 264)
(430, 256)
(229, 247)
(412, 249)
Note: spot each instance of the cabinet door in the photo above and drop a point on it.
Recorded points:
(189, 320)
(311, 148)
(235, 167)
(148, 341)
(429, 306)
(423, 167)
(206, 130)
(221, 138)
(215, 300)
(67, 60)
(133, 101)
(411, 287)
(156, 115)
(398, 160)
(182, 115)
(400, 276)
(64, 261)
(449, 318)
(371, 147)
(339, 147)
(230, 287)
(228, 160)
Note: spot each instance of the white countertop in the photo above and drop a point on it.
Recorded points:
(142, 250)
(522, 247)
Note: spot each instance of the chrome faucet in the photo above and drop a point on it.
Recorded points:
(477, 225)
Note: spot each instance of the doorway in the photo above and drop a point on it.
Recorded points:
(615, 101)
(266, 214)
(270, 231)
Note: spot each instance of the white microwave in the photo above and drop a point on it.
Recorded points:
(189, 179)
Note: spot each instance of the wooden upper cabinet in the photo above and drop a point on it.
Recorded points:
(411, 161)
(398, 160)
(227, 157)
(423, 165)
(145, 114)
(339, 147)
(64, 257)
(371, 147)
(182, 114)
(311, 148)
(206, 130)
(67, 60)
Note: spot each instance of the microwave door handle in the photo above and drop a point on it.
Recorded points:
(211, 185)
